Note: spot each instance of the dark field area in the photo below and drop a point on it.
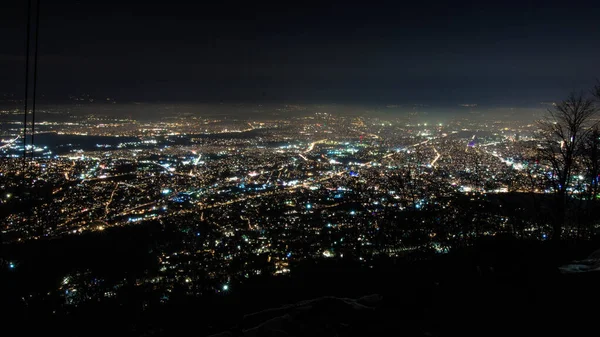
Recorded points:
(501, 286)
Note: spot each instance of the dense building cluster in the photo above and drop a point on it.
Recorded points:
(249, 197)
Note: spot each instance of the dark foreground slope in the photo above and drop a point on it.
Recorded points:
(501, 286)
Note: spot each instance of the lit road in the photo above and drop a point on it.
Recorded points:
(409, 146)
(9, 143)
(467, 148)
(437, 157)
(106, 209)
(126, 212)
(366, 133)
(312, 145)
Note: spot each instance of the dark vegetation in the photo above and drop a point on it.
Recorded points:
(498, 286)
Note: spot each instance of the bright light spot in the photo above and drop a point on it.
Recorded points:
(352, 212)
(308, 206)
(11, 265)
(225, 287)
(166, 191)
(8, 195)
(327, 254)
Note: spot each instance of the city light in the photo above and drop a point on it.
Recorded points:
(257, 207)
(181, 168)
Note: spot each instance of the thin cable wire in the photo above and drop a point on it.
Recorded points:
(27, 41)
(35, 67)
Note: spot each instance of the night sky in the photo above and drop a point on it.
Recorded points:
(486, 52)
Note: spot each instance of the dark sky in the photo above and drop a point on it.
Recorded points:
(487, 52)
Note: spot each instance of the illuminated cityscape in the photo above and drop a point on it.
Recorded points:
(302, 168)
(246, 197)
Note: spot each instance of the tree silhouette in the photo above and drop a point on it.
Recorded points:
(592, 153)
(591, 161)
(565, 128)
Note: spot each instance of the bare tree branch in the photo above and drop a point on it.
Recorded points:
(566, 128)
